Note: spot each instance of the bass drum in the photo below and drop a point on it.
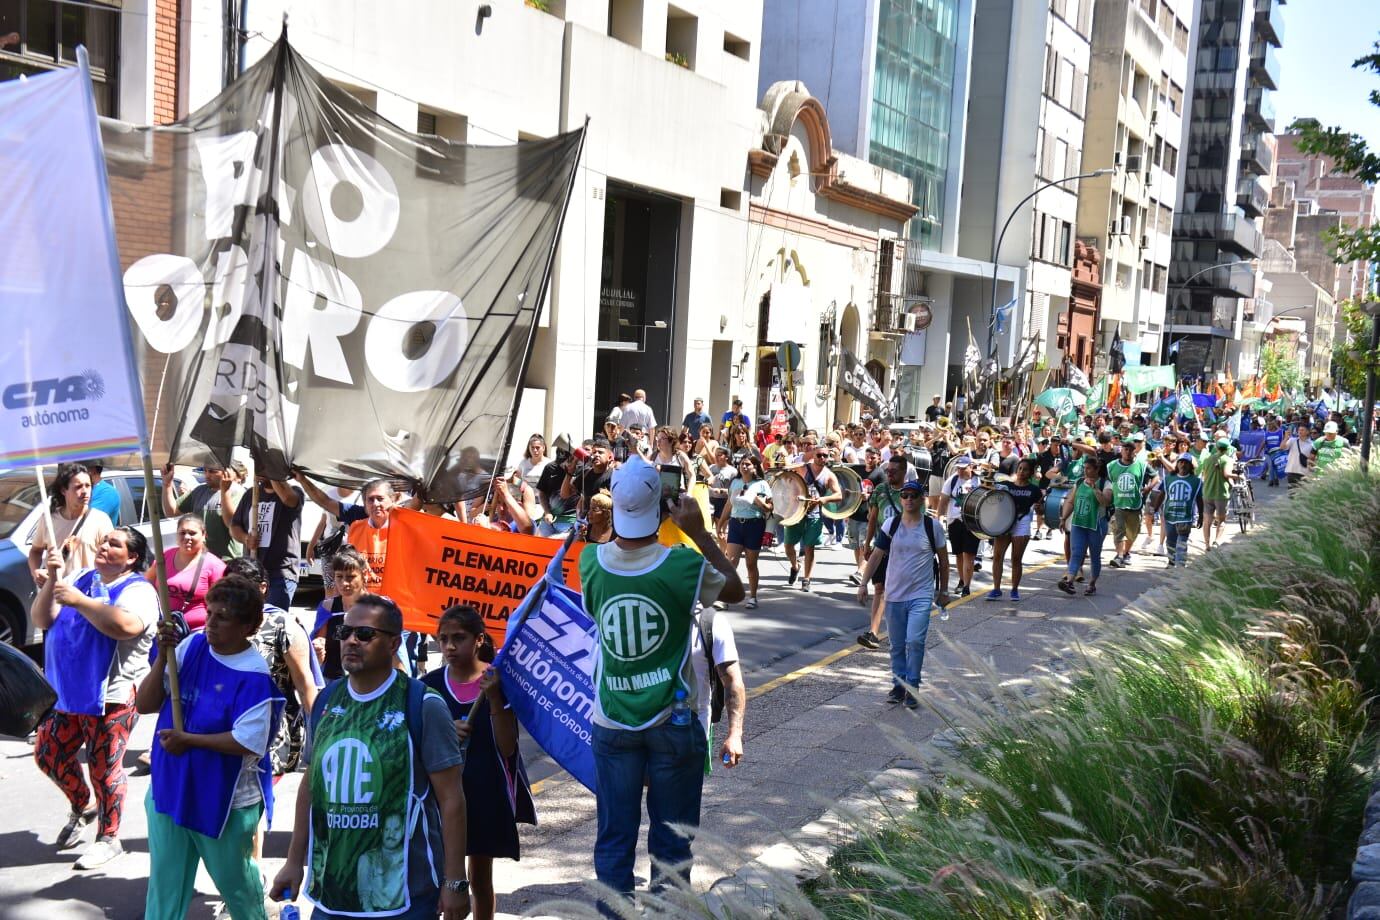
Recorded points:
(988, 512)
(951, 468)
(850, 484)
(787, 495)
(1054, 499)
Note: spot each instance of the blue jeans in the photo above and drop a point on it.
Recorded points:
(911, 620)
(1177, 535)
(671, 758)
(280, 590)
(1084, 541)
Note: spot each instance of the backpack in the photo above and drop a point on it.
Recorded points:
(416, 692)
(895, 524)
(716, 684)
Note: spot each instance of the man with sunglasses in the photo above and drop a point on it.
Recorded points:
(917, 543)
(378, 744)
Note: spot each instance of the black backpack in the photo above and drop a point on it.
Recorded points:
(716, 684)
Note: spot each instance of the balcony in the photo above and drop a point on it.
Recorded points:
(1260, 109)
(1251, 197)
(1256, 156)
(1264, 65)
(1226, 280)
(1269, 21)
(1231, 233)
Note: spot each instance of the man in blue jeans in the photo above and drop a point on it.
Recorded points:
(643, 597)
(915, 540)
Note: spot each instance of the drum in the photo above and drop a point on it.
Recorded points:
(951, 468)
(988, 512)
(1054, 500)
(787, 495)
(919, 457)
(851, 486)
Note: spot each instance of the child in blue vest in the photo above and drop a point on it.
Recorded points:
(212, 779)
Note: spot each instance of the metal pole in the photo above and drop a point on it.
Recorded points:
(161, 570)
(1368, 412)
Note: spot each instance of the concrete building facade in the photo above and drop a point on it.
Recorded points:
(1135, 113)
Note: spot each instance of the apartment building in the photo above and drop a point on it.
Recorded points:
(1134, 121)
(1319, 191)
(1230, 162)
(896, 78)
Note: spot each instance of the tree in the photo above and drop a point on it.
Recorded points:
(1348, 350)
(1352, 157)
(1279, 365)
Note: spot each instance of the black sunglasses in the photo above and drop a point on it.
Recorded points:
(364, 634)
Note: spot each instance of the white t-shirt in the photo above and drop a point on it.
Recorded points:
(638, 412)
(531, 472)
(132, 655)
(1299, 451)
(957, 489)
(252, 729)
(725, 652)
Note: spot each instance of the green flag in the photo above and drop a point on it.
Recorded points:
(1061, 402)
(1097, 396)
(1140, 379)
(1186, 408)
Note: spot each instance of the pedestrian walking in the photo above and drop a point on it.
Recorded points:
(100, 627)
(914, 543)
(642, 598)
(1084, 516)
(212, 779)
(1182, 503)
(380, 818)
(1029, 498)
(745, 517)
(821, 487)
(80, 529)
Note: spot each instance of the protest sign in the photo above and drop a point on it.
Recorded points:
(434, 563)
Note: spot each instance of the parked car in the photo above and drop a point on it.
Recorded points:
(19, 517)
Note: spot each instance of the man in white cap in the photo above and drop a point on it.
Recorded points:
(1327, 450)
(643, 597)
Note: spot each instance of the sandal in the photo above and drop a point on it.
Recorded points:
(751, 604)
(1065, 585)
(1089, 590)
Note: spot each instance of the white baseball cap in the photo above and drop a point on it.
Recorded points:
(636, 489)
(1330, 428)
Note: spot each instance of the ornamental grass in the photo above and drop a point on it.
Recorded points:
(1209, 754)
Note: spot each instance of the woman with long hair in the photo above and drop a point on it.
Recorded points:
(1084, 516)
(100, 627)
(1029, 499)
(745, 515)
(740, 442)
(669, 452)
(497, 794)
(80, 528)
(534, 461)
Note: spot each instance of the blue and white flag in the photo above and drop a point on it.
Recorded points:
(68, 387)
(547, 668)
(1004, 316)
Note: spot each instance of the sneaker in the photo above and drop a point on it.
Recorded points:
(870, 640)
(855, 578)
(977, 565)
(912, 702)
(790, 579)
(1065, 585)
(70, 834)
(1116, 563)
(1170, 564)
(1015, 595)
(993, 595)
(99, 853)
(720, 605)
(964, 591)
(1159, 550)
(897, 694)
(751, 604)
(805, 584)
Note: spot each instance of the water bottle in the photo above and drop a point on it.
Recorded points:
(289, 911)
(943, 613)
(680, 711)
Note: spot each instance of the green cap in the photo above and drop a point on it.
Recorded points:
(1224, 442)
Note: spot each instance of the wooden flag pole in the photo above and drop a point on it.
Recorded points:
(160, 569)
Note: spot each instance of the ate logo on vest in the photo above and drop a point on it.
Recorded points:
(346, 768)
(1126, 482)
(631, 627)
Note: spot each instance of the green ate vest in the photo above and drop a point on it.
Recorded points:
(1328, 452)
(1087, 513)
(362, 804)
(1181, 498)
(643, 621)
(1127, 480)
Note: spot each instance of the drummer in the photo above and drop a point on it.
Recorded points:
(822, 487)
(1029, 498)
(963, 540)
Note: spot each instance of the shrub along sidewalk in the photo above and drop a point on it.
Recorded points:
(1208, 756)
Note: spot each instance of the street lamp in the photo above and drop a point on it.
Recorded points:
(1372, 309)
(996, 247)
(1169, 348)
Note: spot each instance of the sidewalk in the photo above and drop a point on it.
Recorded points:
(823, 733)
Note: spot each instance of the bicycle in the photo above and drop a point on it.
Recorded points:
(1241, 504)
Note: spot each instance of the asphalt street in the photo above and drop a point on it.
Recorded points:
(817, 729)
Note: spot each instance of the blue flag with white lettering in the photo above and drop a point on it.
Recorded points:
(547, 667)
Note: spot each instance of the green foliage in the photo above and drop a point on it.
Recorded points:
(1352, 157)
(1210, 758)
(1349, 350)
(543, 5)
(680, 60)
(1279, 364)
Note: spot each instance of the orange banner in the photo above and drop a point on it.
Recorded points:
(434, 563)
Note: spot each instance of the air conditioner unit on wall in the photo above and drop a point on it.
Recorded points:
(1135, 163)
(905, 322)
